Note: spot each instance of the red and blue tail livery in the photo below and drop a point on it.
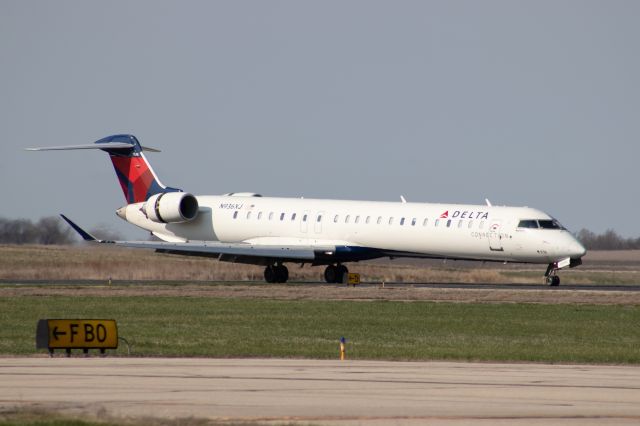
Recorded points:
(137, 179)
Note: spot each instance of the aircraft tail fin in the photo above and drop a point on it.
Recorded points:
(137, 179)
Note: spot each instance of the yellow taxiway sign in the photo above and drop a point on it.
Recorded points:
(77, 334)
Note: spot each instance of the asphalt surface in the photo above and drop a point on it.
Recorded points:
(325, 392)
(584, 287)
(485, 286)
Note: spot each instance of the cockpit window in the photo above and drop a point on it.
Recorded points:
(541, 223)
(549, 224)
(528, 224)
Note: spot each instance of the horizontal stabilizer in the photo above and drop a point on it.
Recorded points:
(103, 146)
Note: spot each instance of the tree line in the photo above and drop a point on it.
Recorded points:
(52, 230)
(609, 240)
(48, 230)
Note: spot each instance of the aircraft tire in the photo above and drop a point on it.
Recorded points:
(270, 274)
(341, 272)
(330, 274)
(555, 281)
(282, 273)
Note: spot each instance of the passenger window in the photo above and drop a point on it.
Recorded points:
(259, 215)
(293, 216)
(437, 223)
(235, 214)
(413, 222)
(319, 218)
(425, 221)
(481, 224)
(391, 220)
(346, 219)
(470, 223)
(281, 216)
(402, 221)
(357, 219)
(335, 218)
(248, 215)
(367, 220)
(304, 218)
(379, 220)
(449, 223)
(270, 215)
(460, 223)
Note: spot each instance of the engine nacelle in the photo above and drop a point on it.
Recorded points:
(171, 207)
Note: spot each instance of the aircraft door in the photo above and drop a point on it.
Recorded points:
(495, 239)
(304, 221)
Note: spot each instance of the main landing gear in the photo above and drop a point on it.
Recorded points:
(276, 274)
(335, 273)
(552, 279)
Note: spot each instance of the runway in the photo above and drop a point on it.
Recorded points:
(458, 293)
(401, 285)
(326, 392)
(524, 287)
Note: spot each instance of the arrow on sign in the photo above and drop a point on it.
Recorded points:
(57, 333)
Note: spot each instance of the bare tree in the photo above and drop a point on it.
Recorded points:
(48, 230)
(104, 232)
(52, 230)
(610, 240)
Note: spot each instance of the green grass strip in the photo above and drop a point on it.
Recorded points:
(209, 327)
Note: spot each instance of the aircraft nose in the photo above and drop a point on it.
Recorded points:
(577, 250)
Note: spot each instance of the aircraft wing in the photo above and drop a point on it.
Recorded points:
(223, 251)
(217, 249)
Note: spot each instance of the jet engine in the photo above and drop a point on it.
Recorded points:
(171, 207)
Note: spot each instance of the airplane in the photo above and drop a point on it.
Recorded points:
(248, 228)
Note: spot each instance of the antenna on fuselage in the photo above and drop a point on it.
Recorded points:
(488, 202)
(402, 199)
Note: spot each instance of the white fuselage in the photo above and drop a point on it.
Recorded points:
(454, 231)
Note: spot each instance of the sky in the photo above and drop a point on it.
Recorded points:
(526, 103)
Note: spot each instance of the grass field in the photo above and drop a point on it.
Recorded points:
(38, 417)
(101, 263)
(212, 327)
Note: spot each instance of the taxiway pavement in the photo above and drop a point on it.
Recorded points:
(325, 392)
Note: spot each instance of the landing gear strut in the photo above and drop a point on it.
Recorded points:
(552, 279)
(276, 274)
(335, 273)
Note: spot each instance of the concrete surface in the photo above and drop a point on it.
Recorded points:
(326, 392)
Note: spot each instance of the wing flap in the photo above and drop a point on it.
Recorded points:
(215, 248)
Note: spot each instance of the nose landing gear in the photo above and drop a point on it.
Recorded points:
(552, 279)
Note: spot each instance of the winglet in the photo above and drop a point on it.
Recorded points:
(84, 234)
